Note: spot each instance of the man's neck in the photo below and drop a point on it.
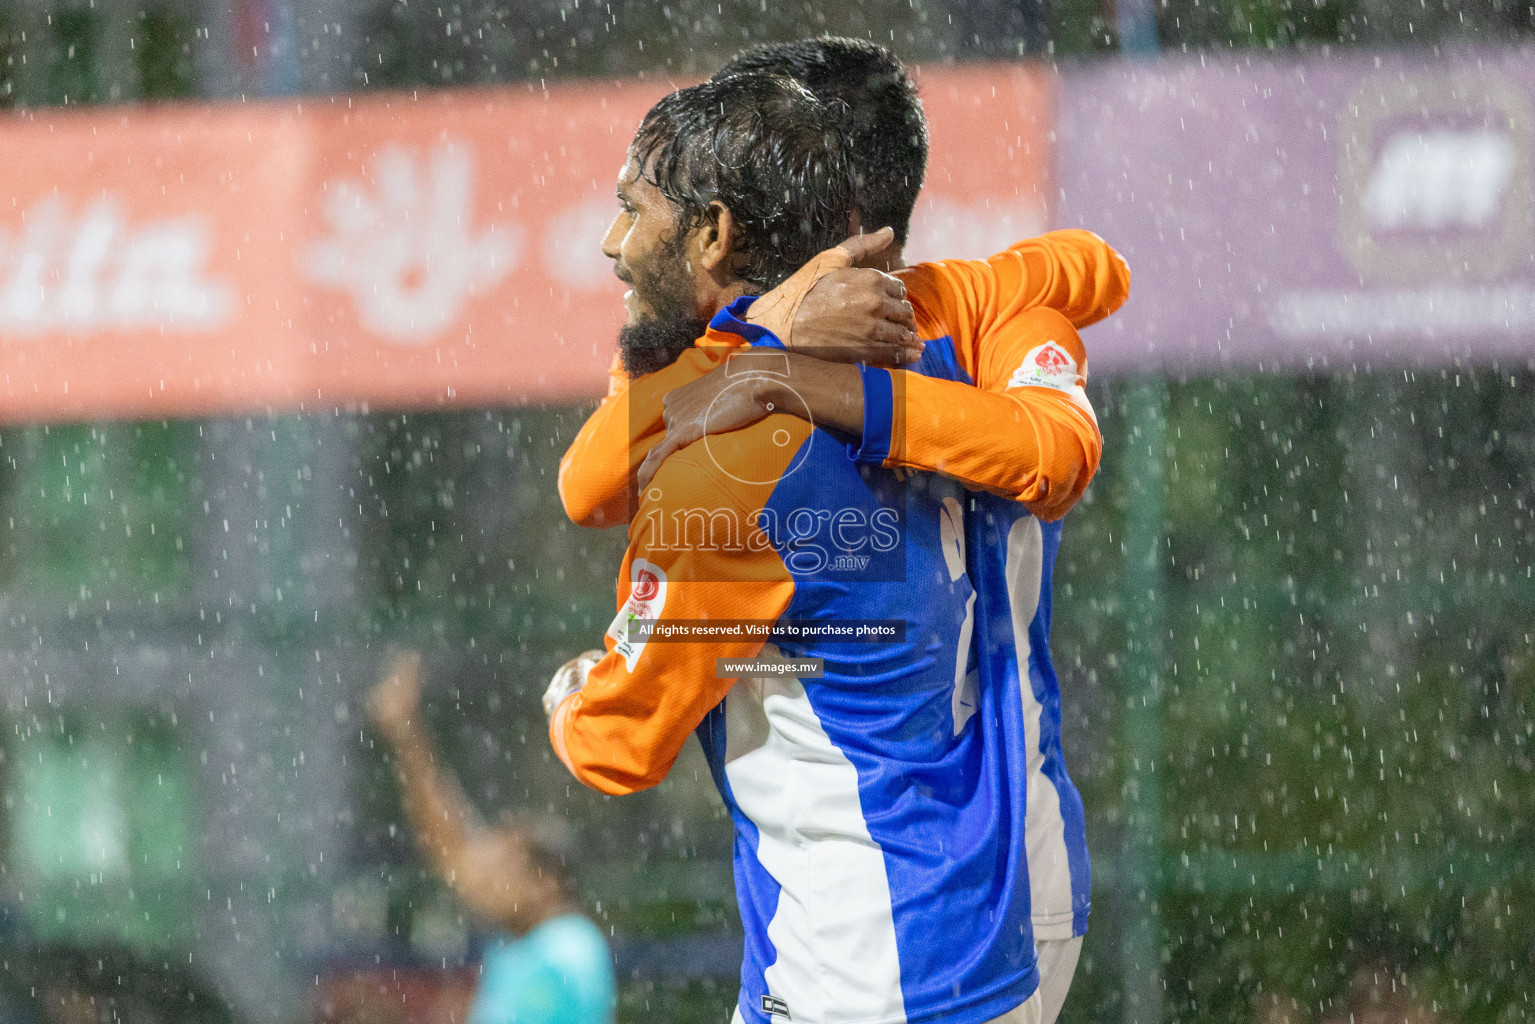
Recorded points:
(722, 295)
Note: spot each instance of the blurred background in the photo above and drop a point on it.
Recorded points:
(301, 302)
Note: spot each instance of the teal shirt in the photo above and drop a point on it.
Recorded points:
(559, 973)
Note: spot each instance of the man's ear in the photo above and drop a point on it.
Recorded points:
(715, 241)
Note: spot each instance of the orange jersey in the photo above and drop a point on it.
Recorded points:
(1036, 444)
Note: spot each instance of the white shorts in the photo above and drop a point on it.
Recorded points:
(1028, 1013)
(1057, 966)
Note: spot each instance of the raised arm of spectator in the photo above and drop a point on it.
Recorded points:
(490, 869)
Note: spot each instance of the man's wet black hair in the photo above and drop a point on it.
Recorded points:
(767, 149)
(883, 117)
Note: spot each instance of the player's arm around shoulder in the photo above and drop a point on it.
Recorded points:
(1026, 431)
(1043, 371)
(696, 555)
(1094, 277)
(1072, 271)
(827, 308)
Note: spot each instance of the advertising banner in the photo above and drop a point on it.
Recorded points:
(1356, 210)
(401, 250)
(410, 250)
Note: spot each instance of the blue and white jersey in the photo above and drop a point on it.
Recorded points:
(889, 814)
(1010, 559)
(906, 826)
(879, 810)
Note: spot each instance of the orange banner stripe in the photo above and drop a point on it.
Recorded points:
(397, 251)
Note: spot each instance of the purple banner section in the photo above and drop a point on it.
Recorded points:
(1327, 213)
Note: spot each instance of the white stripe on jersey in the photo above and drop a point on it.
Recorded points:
(1049, 866)
(967, 680)
(951, 531)
(833, 929)
(1031, 1012)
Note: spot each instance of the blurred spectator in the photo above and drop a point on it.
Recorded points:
(551, 965)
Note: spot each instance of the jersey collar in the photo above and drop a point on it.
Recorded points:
(730, 327)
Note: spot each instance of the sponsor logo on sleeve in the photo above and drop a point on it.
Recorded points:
(1046, 366)
(647, 596)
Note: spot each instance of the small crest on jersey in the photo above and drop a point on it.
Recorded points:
(775, 1006)
(1048, 366)
(647, 597)
(646, 584)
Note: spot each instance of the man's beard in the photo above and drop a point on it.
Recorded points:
(655, 342)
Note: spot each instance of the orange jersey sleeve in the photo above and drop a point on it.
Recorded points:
(1026, 431)
(1072, 271)
(596, 479)
(597, 457)
(623, 730)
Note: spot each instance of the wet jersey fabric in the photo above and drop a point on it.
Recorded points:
(877, 842)
(1024, 435)
(561, 972)
(1010, 560)
(1073, 272)
(879, 850)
